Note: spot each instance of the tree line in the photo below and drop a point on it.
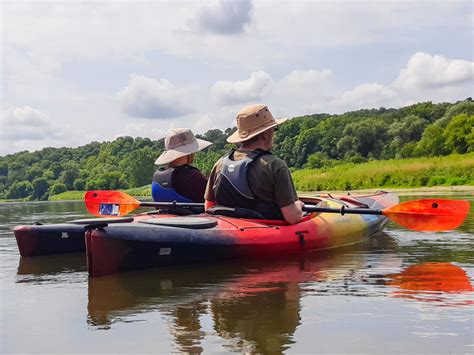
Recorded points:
(313, 141)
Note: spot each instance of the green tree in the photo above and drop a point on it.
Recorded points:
(318, 160)
(40, 187)
(458, 134)
(57, 188)
(68, 176)
(466, 106)
(139, 166)
(20, 189)
(3, 168)
(432, 142)
(79, 184)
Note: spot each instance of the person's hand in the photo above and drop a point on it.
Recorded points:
(293, 213)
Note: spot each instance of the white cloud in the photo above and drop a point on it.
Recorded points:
(366, 95)
(150, 98)
(26, 128)
(224, 18)
(426, 71)
(26, 123)
(302, 78)
(238, 92)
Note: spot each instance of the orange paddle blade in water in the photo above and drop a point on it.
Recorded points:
(108, 203)
(432, 214)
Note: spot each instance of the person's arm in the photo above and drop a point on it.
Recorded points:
(293, 213)
(209, 198)
(208, 204)
(285, 193)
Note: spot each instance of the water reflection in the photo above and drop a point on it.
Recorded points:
(54, 264)
(53, 269)
(430, 282)
(255, 306)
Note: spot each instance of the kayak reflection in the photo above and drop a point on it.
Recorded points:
(253, 306)
(430, 281)
(50, 265)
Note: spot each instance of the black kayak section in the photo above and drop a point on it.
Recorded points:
(38, 239)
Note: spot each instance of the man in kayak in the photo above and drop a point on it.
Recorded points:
(177, 180)
(251, 177)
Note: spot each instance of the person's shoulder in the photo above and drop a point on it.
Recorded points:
(273, 161)
(192, 170)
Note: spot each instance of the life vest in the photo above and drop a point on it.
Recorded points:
(162, 188)
(232, 188)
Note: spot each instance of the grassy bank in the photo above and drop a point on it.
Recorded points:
(452, 170)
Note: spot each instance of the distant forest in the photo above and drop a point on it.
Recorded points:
(313, 141)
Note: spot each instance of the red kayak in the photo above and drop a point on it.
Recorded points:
(157, 240)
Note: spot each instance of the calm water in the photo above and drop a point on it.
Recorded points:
(402, 292)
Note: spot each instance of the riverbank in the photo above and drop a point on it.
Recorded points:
(451, 170)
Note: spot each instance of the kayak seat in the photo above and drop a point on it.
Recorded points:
(182, 222)
(235, 212)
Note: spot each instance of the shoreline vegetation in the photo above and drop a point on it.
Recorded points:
(443, 175)
(424, 144)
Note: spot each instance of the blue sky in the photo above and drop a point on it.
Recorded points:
(77, 71)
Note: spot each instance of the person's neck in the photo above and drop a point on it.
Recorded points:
(179, 162)
(254, 146)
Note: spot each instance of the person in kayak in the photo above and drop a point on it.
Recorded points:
(176, 179)
(251, 177)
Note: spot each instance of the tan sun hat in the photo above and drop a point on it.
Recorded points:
(180, 142)
(253, 120)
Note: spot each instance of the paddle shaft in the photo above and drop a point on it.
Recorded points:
(341, 210)
(171, 204)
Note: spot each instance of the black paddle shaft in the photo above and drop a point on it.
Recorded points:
(171, 204)
(343, 210)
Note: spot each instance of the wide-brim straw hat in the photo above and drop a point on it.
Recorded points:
(253, 120)
(180, 142)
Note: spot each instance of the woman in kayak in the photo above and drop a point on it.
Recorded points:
(251, 177)
(177, 180)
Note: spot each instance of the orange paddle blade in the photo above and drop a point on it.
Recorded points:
(108, 203)
(432, 214)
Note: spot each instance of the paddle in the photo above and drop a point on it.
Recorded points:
(431, 214)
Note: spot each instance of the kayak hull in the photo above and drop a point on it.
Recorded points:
(36, 240)
(147, 243)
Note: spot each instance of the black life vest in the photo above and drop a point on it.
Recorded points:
(232, 188)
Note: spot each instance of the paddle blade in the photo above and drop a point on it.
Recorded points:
(432, 214)
(108, 203)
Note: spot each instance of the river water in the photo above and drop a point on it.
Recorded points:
(400, 292)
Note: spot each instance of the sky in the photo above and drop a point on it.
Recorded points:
(73, 72)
